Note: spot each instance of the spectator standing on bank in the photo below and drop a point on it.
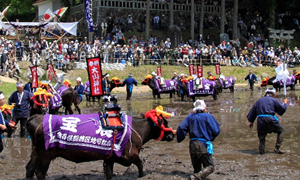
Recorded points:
(103, 28)
(156, 22)
(129, 23)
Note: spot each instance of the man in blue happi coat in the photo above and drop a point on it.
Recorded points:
(129, 82)
(28, 85)
(79, 88)
(203, 129)
(21, 101)
(251, 79)
(265, 109)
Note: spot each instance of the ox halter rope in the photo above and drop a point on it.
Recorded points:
(41, 94)
(116, 81)
(34, 98)
(156, 114)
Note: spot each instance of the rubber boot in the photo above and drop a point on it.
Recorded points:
(203, 174)
(278, 151)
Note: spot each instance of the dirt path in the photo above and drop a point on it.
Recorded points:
(7, 79)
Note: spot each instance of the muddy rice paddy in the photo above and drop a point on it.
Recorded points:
(235, 149)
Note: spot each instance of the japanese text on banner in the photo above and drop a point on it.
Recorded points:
(94, 69)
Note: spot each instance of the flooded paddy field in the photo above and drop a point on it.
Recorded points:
(235, 149)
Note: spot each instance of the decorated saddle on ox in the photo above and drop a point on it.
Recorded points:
(86, 86)
(163, 85)
(264, 81)
(116, 81)
(200, 86)
(227, 82)
(290, 81)
(297, 76)
(56, 100)
(104, 133)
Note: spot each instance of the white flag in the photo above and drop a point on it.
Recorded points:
(282, 74)
(48, 15)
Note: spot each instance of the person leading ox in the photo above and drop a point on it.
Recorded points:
(79, 88)
(264, 109)
(21, 101)
(3, 122)
(202, 128)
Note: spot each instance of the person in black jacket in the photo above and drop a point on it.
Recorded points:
(4, 62)
(251, 79)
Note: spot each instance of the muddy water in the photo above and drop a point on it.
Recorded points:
(236, 148)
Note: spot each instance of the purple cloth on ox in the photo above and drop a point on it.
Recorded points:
(206, 90)
(289, 81)
(84, 132)
(56, 101)
(86, 86)
(170, 85)
(228, 83)
(61, 90)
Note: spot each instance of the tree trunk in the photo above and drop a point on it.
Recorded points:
(272, 14)
(235, 19)
(148, 19)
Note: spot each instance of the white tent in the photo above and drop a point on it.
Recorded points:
(68, 27)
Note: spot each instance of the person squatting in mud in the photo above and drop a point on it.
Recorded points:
(203, 129)
(264, 109)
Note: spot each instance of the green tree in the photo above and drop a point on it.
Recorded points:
(19, 9)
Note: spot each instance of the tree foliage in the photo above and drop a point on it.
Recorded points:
(19, 9)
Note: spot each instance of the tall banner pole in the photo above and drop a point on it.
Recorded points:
(284, 80)
(159, 73)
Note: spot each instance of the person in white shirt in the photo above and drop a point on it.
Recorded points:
(104, 28)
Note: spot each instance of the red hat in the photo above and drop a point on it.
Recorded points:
(223, 42)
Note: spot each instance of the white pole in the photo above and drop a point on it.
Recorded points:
(284, 80)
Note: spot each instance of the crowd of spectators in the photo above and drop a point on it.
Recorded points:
(111, 46)
(137, 51)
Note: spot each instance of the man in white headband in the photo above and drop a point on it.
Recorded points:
(79, 88)
(202, 128)
(265, 109)
(154, 75)
(21, 100)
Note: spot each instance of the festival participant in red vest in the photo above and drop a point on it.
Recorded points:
(21, 100)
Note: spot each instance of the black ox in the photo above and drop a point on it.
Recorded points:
(143, 130)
